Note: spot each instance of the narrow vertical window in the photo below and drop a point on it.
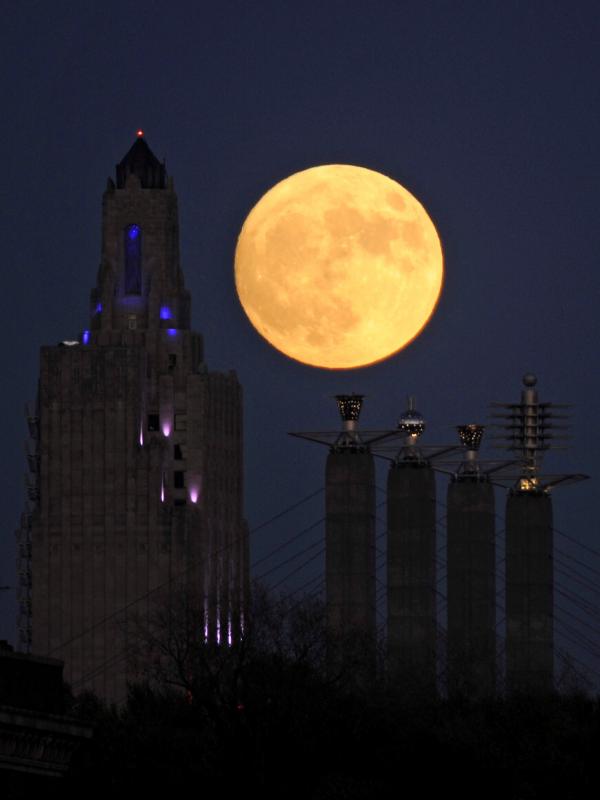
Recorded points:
(178, 479)
(133, 259)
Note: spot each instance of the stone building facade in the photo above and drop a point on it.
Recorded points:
(135, 488)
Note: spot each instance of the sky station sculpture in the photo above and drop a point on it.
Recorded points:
(470, 664)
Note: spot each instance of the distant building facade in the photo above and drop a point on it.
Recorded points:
(37, 738)
(135, 458)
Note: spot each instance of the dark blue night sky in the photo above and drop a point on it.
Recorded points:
(488, 112)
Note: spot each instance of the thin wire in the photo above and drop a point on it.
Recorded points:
(277, 516)
(574, 575)
(568, 655)
(578, 600)
(304, 585)
(577, 561)
(180, 574)
(578, 619)
(286, 543)
(580, 643)
(124, 654)
(577, 542)
(320, 552)
(287, 510)
(289, 560)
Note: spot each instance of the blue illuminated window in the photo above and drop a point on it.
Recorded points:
(165, 312)
(86, 337)
(133, 260)
(172, 331)
(98, 308)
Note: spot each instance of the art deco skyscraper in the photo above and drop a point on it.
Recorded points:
(136, 454)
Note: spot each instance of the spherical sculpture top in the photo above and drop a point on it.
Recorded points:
(338, 266)
(412, 423)
(529, 380)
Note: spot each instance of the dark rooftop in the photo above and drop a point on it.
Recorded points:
(141, 161)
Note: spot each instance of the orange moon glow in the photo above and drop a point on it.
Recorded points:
(338, 266)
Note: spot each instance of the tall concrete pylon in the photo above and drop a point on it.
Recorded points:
(529, 592)
(411, 563)
(529, 428)
(350, 527)
(350, 541)
(470, 523)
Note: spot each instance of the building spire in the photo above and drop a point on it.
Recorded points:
(141, 162)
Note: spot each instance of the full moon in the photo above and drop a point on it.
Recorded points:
(338, 266)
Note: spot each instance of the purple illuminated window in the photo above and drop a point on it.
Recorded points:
(86, 337)
(98, 308)
(172, 331)
(165, 312)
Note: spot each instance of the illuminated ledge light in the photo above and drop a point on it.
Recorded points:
(194, 487)
(205, 619)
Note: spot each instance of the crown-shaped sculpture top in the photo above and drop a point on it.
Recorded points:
(470, 435)
(349, 406)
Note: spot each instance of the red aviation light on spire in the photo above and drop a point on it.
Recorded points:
(139, 133)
